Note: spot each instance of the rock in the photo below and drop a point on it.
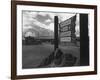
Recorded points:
(47, 60)
(69, 60)
(58, 57)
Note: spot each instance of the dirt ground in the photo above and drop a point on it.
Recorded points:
(33, 55)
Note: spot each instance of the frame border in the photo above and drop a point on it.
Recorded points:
(14, 39)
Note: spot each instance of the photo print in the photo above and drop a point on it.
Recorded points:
(53, 39)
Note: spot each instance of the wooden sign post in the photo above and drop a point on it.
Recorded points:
(67, 30)
(55, 32)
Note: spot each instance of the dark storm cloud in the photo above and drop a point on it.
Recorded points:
(42, 19)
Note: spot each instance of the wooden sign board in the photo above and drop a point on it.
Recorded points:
(65, 39)
(64, 23)
(65, 28)
(64, 34)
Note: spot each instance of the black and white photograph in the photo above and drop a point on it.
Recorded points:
(50, 39)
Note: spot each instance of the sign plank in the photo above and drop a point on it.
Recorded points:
(66, 28)
(65, 39)
(63, 34)
(64, 23)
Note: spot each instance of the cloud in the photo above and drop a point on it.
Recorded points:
(45, 20)
(42, 13)
(48, 21)
(77, 29)
(51, 26)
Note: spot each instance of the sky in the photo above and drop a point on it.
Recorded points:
(46, 19)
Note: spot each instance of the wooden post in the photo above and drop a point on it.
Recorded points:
(84, 40)
(55, 32)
